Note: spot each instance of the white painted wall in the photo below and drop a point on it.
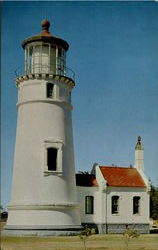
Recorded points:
(102, 205)
(82, 192)
(35, 90)
(125, 214)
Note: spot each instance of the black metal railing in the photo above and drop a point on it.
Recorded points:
(44, 69)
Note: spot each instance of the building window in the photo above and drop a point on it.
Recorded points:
(50, 87)
(136, 204)
(115, 204)
(52, 159)
(89, 200)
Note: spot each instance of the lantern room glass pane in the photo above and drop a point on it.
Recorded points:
(45, 62)
(26, 60)
(61, 61)
(29, 60)
(36, 64)
(53, 59)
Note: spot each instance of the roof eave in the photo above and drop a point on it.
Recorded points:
(49, 39)
(127, 186)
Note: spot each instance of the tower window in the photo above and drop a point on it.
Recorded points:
(136, 204)
(53, 155)
(50, 87)
(52, 159)
(89, 204)
(115, 204)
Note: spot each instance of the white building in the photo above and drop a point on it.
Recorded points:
(115, 198)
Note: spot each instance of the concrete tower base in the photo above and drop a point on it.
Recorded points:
(43, 220)
(41, 230)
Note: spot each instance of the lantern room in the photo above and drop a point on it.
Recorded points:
(45, 53)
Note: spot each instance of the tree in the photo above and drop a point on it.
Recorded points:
(154, 202)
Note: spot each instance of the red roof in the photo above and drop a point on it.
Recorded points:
(122, 176)
(86, 180)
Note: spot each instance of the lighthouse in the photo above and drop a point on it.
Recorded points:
(43, 198)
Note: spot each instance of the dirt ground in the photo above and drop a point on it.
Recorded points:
(95, 242)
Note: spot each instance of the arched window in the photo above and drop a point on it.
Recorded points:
(89, 204)
(115, 204)
(136, 204)
(50, 88)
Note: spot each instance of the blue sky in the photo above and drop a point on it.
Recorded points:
(114, 53)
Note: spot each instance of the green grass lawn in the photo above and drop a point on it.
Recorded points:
(95, 242)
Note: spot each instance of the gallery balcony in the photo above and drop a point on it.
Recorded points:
(46, 72)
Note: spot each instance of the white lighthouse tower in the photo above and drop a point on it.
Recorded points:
(43, 200)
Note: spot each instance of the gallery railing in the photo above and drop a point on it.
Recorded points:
(44, 69)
